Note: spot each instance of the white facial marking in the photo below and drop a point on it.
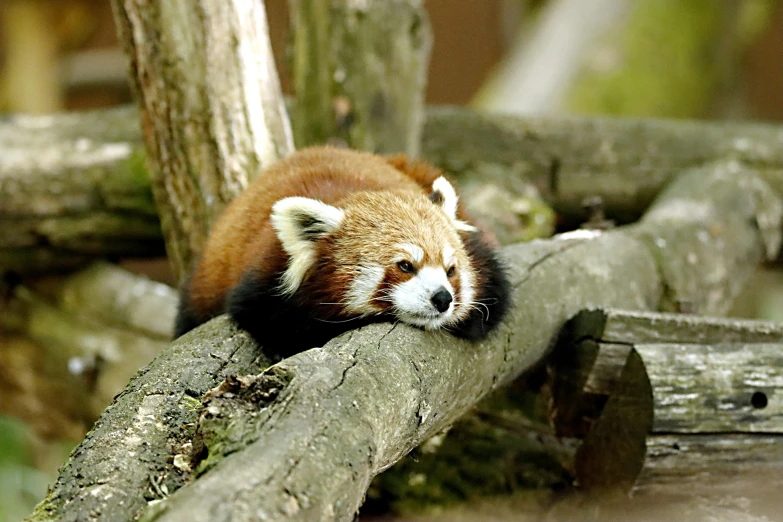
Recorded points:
(299, 222)
(448, 256)
(466, 293)
(449, 204)
(358, 298)
(415, 251)
(413, 299)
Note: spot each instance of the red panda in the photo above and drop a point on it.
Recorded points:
(328, 239)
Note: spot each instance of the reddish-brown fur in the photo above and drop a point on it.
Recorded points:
(382, 203)
(243, 236)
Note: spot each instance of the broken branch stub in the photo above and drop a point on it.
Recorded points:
(617, 376)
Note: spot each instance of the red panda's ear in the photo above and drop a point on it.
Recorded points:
(444, 195)
(299, 223)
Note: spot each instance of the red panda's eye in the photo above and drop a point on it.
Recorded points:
(451, 270)
(406, 266)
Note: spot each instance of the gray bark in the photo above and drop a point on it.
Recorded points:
(134, 452)
(710, 383)
(359, 73)
(711, 388)
(213, 113)
(73, 186)
(569, 159)
(331, 418)
(731, 463)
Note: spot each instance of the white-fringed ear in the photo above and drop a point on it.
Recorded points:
(444, 195)
(299, 223)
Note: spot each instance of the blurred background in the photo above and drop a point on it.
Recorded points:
(706, 59)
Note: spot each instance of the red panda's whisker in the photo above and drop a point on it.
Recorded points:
(337, 322)
(475, 305)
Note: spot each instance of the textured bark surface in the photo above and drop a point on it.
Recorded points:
(73, 186)
(211, 106)
(735, 464)
(713, 385)
(624, 162)
(716, 388)
(359, 73)
(129, 458)
(303, 440)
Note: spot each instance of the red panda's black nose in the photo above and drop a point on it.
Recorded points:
(441, 299)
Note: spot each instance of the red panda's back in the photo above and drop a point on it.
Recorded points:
(243, 236)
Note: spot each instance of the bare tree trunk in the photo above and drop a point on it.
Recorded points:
(359, 72)
(212, 111)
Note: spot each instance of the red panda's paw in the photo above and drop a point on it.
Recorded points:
(281, 325)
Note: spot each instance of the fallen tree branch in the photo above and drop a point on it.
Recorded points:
(129, 457)
(302, 440)
(624, 162)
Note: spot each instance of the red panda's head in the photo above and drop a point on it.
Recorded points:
(390, 252)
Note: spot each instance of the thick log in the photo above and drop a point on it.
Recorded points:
(341, 414)
(708, 374)
(97, 159)
(358, 396)
(351, 409)
(639, 327)
(710, 382)
(73, 186)
(139, 445)
(625, 162)
(213, 113)
(359, 73)
(730, 463)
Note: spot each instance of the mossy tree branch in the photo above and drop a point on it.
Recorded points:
(302, 440)
(74, 186)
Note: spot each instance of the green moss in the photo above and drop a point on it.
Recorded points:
(130, 186)
(21, 485)
(663, 62)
